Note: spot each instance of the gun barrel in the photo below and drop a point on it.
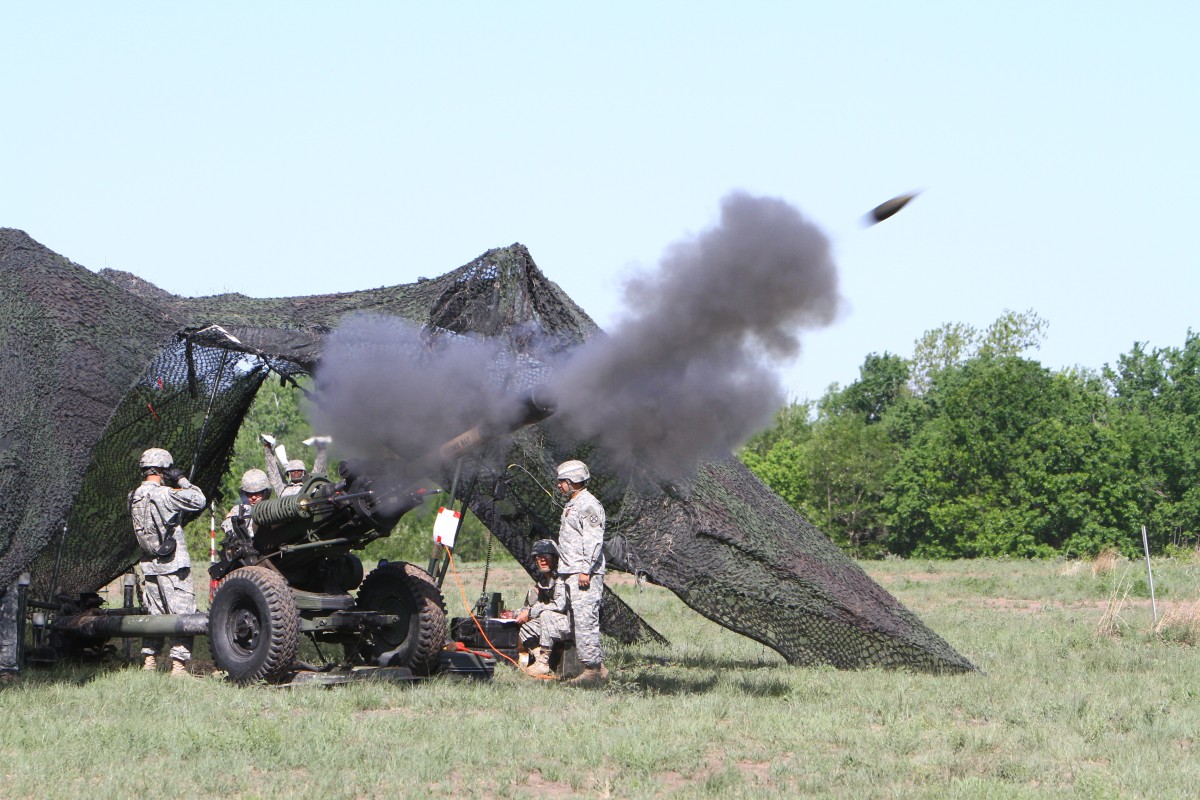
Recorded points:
(536, 406)
(103, 623)
(529, 410)
(461, 444)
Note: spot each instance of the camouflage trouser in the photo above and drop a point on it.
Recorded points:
(10, 629)
(169, 594)
(585, 610)
(549, 627)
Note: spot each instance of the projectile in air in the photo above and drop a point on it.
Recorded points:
(884, 210)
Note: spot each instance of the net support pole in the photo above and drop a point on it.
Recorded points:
(1149, 575)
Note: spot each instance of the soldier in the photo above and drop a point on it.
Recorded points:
(543, 618)
(295, 473)
(11, 629)
(254, 487)
(294, 469)
(156, 507)
(581, 565)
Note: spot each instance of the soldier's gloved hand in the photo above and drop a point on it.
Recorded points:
(166, 549)
(171, 476)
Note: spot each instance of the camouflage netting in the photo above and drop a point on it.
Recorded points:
(96, 367)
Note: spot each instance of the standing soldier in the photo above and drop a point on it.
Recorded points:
(12, 628)
(156, 507)
(581, 564)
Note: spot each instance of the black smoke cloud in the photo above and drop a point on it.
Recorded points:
(691, 371)
(688, 373)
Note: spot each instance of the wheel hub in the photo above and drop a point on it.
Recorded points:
(246, 629)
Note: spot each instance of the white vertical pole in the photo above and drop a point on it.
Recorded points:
(212, 545)
(1150, 573)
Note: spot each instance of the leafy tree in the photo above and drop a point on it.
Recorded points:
(846, 461)
(882, 381)
(953, 343)
(776, 455)
(1013, 333)
(1012, 460)
(1157, 408)
(831, 469)
(939, 349)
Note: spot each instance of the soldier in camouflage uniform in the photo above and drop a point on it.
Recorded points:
(156, 508)
(254, 487)
(543, 618)
(295, 472)
(294, 469)
(581, 565)
(11, 629)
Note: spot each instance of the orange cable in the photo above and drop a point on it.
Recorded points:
(471, 613)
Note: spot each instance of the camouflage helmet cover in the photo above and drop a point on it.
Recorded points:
(254, 481)
(545, 547)
(156, 457)
(295, 465)
(573, 471)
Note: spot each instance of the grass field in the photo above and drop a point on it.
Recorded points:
(1078, 696)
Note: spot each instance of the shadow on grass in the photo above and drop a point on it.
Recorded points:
(769, 688)
(702, 660)
(725, 663)
(75, 673)
(658, 684)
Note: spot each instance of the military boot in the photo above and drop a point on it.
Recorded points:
(179, 669)
(150, 664)
(540, 667)
(591, 676)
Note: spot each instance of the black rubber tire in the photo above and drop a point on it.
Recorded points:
(416, 640)
(253, 626)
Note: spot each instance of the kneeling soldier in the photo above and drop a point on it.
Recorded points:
(544, 619)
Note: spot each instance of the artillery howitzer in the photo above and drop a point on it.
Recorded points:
(295, 574)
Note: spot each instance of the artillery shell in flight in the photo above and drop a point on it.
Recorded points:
(884, 210)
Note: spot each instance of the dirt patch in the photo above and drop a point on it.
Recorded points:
(757, 773)
(619, 579)
(543, 788)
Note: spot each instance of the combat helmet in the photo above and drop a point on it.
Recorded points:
(573, 471)
(295, 465)
(545, 547)
(156, 458)
(254, 481)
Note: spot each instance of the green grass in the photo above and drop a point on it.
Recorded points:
(1057, 711)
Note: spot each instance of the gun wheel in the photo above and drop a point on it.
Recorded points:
(253, 626)
(416, 639)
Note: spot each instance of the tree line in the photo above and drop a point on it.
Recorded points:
(969, 448)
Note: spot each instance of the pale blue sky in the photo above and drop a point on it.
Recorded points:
(297, 148)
